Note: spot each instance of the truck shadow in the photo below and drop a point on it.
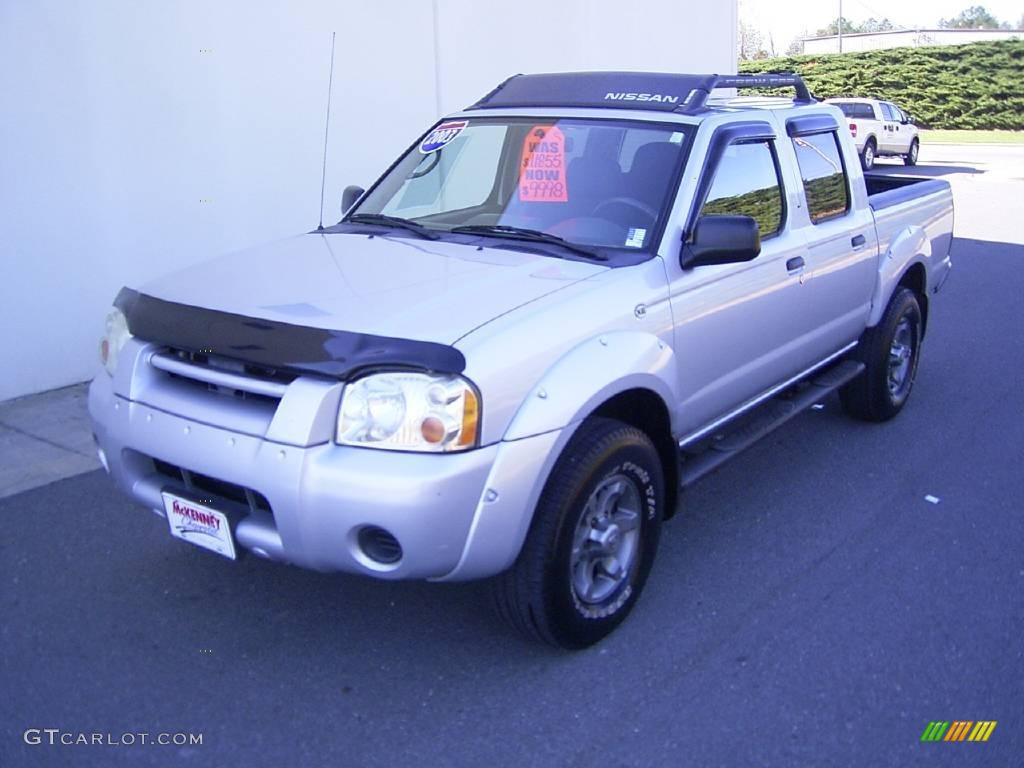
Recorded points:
(926, 170)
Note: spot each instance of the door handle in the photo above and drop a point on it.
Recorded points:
(859, 241)
(797, 262)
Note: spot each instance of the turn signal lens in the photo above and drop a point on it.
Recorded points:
(115, 337)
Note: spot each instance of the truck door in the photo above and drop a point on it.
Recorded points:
(735, 324)
(840, 235)
(904, 131)
(890, 141)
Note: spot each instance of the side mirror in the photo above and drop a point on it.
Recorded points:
(721, 240)
(349, 197)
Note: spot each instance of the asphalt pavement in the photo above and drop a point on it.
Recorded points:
(819, 602)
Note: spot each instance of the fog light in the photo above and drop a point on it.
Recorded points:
(379, 546)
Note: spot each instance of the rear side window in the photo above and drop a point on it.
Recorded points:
(857, 110)
(887, 112)
(823, 174)
(747, 184)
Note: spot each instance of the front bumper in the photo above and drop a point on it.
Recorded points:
(320, 496)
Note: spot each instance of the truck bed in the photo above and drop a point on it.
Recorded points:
(885, 191)
(905, 207)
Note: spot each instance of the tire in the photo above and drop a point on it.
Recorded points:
(890, 352)
(911, 157)
(867, 156)
(575, 579)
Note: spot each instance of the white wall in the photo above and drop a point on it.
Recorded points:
(116, 123)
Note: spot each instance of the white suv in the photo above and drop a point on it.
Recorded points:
(880, 129)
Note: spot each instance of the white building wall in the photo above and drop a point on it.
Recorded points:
(122, 118)
(905, 38)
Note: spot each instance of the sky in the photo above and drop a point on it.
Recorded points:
(788, 19)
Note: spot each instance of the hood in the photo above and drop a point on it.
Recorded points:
(382, 285)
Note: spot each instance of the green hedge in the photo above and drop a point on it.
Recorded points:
(974, 86)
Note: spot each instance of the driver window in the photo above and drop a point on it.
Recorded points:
(747, 184)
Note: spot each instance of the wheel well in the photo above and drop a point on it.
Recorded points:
(916, 280)
(871, 140)
(646, 411)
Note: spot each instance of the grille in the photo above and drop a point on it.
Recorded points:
(223, 375)
(259, 372)
(197, 482)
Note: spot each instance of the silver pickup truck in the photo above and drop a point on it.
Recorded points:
(554, 312)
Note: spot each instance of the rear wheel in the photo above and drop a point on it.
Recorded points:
(593, 539)
(911, 157)
(890, 352)
(867, 157)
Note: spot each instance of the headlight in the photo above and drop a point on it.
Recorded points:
(114, 339)
(407, 411)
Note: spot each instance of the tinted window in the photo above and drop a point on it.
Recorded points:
(887, 113)
(821, 168)
(747, 183)
(854, 110)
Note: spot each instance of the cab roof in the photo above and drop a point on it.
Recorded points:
(655, 91)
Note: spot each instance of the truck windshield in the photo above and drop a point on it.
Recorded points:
(604, 183)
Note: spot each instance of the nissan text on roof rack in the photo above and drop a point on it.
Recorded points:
(558, 309)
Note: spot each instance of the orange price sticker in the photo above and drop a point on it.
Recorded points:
(542, 177)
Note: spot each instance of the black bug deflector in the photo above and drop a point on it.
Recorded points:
(274, 344)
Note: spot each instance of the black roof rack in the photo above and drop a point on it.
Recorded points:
(687, 94)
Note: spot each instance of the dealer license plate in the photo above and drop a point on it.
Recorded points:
(199, 524)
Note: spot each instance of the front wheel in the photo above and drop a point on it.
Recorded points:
(890, 352)
(911, 157)
(593, 539)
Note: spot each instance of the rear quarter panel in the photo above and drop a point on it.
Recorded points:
(914, 226)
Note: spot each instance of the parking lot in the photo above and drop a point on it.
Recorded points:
(820, 600)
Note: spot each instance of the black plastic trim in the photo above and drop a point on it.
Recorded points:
(724, 135)
(656, 91)
(808, 125)
(301, 349)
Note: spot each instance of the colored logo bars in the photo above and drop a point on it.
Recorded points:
(959, 730)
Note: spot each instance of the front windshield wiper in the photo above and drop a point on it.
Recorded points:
(530, 235)
(393, 221)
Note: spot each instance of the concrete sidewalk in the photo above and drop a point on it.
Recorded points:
(44, 438)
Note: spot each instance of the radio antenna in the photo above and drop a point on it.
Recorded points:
(327, 128)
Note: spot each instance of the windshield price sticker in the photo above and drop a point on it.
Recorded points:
(443, 135)
(542, 177)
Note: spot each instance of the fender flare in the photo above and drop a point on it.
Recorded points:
(909, 247)
(591, 373)
(586, 376)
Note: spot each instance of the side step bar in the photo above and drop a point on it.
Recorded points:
(764, 420)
